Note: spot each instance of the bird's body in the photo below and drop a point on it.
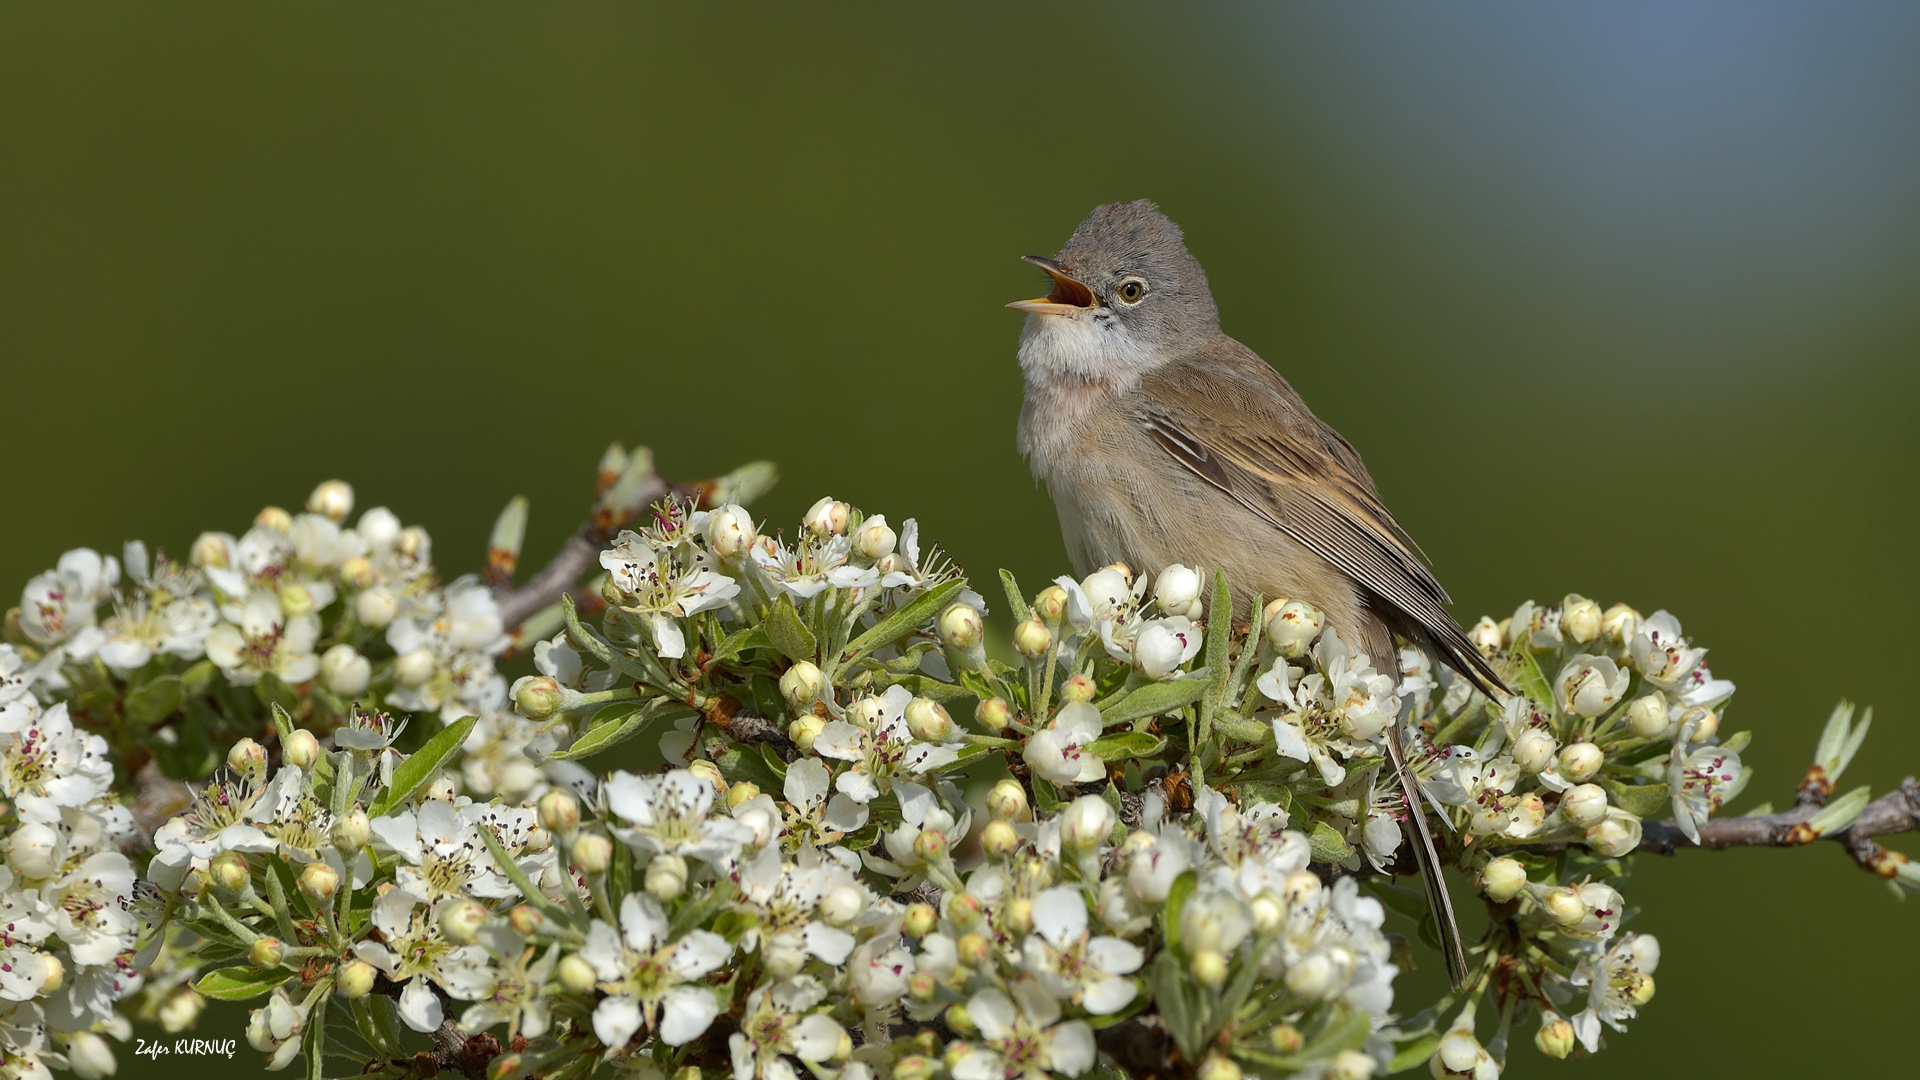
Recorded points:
(1162, 440)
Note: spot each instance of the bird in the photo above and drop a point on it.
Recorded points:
(1163, 440)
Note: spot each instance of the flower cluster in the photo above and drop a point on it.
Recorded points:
(834, 833)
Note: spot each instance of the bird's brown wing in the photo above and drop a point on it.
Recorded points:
(1236, 423)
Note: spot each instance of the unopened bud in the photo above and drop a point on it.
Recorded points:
(930, 846)
(916, 1067)
(920, 920)
(412, 542)
(921, 986)
(742, 792)
(441, 789)
(357, 572)
(1209, 968)
(959, 1022)
(966, 911)
(356, 979)
(928, 720)
(1580, 618)
(266, 952)
(1301, 886)
(318, 881)
(1533, 751)
(974, 949)
(247, 758)
(999, 840)
(1620, 623)
(525, 919)
(1584, 804)
(1293, 628)
(1020, 915)
(1564, 906)
(1486, 636)
(1647, 716)
(1706, 723)
(415, 668)
(1269, 914)
(56, 973)
(576, 975)
(730, 531)
(961, 626)
(182, 1010)
(1008, 801)
(993, 714)
(1615, 835)
(376, 607)
(33, 850)
(843, 904)
(591, 852)
(1502, 879)
(89, 1056)
(351, 831)
(345, 671)
(801, 684)
(875, 540)
(537, 696)
(559, 812)
(1177, 591)
(1349, 1065)
(462, 921)
(803, 731)
(1032, 639)
(274, 518)
(1580, 761)
(211, 550)
(506, 1067)
(1218, 1067)
(1459, 1054)
(826, 518)
(1051, 603)
(295, 600)
(1087, 823)
(1286, 1038)
(332, 500)
(666, 877)
(300, 748)
(1555, 1037)
(229, 871)
(1077, 688)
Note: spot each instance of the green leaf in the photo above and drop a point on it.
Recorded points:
(738, 762)
(1640, 800)
(1183, 887)
(1328, 845)
(1016, 603)
(413, 774)
(1841, 812)
(1219, 629)
(316, 1037)
(1154, 699)
(927, 686)
(740, 641)
(1168, 980)
(282, 722)
(904, 620)
(240, 983)
(622, 722)
(156, 701)
(788, 634)
(591, 643)
(1414, 1051)
(1127, 744)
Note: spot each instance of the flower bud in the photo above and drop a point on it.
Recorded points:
(414, 668)
(1647, 716)
(999, 839)
(1615, 835)
(182, 1010)
(1087, 822)
(1580, 618)
(1620, 623)
(959, 1022)
(506, 1067)
(89, 1056)
(826, 518)
(274, 518)
(666, 877)
(1301, 886)
(915, 1067)
(973, 949)
(525, 919)
(993, 714)
(1564, 906)
(929, 720)
(1077, 688)
(919, 921)
(295, 600)
(1032, 639)
(1502, 879)
(1533, 750)
(413, 542)
(462, 921)
(1293, 628)
(376, 607)
(875, 540)
(1580, 761)
(1706, 723)
(229, 871)
(801, 684)
(930, 846)
(1051, 603)
(742, 792)
(1555, 1037)
(730, 531)
(56, 973)
(576, 975)
(300, 748)
(803, 731)
(921, 986)
(440, 789)
(1268, 913)
(248, 758)
(1349, 1065)
(1286, 1038)
(1319, 974)
(345, 671)
(211, 550)
(1218, 1067)
(961, 626)
(1008, 800)
(1459, 1054)
(1177, 591)
(332, 500)
(537, 696)
(1584, 805)
(357, 572)
(266, 952)
(559, 812)
(351, 831)
(591, 852)
(318, 882)
(356, 979)
(1020, 915)
(843, 904)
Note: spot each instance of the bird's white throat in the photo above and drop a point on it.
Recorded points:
(1071, 364)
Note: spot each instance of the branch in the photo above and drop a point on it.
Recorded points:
(632, 491)
(1897, 811)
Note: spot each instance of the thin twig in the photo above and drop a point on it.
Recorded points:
(1897, 811)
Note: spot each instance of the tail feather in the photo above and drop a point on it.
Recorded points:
(1428, 857)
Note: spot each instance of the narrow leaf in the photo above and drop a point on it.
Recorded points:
(597, 647)
(156, 701)
(1016, 603)
(1154, 699)
(1841, 812)
(240, 983)
(622, 722)
(788, 634)
(1640, 800)
(1183, 887)
(413, 774)
(1127, 744)
(904, 620)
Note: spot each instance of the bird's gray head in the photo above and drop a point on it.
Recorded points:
(1127, 296)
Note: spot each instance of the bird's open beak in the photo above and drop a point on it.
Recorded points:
(1068, 297)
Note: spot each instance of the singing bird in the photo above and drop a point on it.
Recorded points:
(1162, 440)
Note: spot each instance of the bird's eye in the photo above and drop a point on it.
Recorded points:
(1131, 290)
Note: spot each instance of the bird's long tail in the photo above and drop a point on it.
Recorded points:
(1438, 899)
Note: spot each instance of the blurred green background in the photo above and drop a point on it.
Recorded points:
(1619, 301)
